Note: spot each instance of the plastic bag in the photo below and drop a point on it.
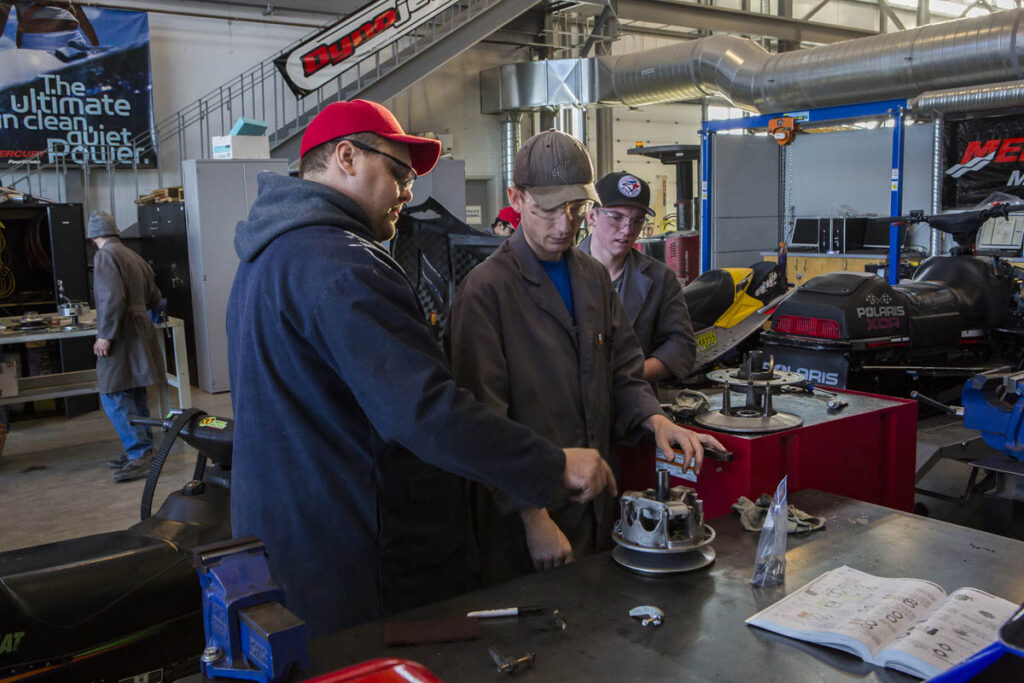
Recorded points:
(770, 562)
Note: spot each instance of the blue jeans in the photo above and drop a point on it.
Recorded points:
(119, 406)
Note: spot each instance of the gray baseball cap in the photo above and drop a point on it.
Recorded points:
(555, 167)
(101, 224)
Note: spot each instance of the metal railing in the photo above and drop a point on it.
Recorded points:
(261, 92)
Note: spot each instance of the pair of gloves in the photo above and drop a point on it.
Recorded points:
(752, 514)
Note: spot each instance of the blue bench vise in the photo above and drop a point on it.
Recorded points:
(992, 405)
(250, 634)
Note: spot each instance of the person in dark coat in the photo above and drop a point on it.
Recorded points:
(350, 433)
(128, 357)
(649, 290)
(537, 332)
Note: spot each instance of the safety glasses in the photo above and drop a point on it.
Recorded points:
(402, 172)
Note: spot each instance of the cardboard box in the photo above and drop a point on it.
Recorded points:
(241, 147)
(8, 379)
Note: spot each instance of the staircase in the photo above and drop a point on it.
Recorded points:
(262, 93)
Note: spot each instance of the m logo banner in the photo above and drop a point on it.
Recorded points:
(338, 48)
(982, 156)
(74, 84)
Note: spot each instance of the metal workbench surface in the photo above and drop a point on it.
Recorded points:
(703, 637)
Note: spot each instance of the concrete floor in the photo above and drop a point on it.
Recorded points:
(55, 484)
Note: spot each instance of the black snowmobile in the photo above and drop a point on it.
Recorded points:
(124, 605)
(959, 315)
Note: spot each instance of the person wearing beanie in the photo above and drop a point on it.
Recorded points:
(350, 433)
(537, 332)
(649, 290)
(128, 357)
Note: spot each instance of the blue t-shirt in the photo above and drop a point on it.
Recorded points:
(559, 274)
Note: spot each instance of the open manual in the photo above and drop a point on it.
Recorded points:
(904, 624)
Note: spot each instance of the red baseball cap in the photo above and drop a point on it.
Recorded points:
(339, 119)
(510, 216)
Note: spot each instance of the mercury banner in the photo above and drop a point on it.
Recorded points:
(75, 84)
(339, 47)
(981, 156)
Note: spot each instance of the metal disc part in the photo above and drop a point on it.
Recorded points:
(663, 563)
(780, 378)
(709, 536)
(748, 425)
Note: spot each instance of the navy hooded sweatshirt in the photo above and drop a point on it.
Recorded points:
(349, 429)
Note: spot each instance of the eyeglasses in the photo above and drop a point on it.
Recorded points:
(576, 211)
(621, 219)
(405, 178)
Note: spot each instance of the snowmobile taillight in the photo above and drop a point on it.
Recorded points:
(807, 327)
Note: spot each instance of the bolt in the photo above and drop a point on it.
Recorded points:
(211, 655)
(559, 621)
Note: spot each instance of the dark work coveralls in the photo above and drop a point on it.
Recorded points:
(512, 342)
(349, 429)
(653, 299)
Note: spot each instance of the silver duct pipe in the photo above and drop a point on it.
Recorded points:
(983, 49)
(974, 98)
(510, 143)
(986, 49)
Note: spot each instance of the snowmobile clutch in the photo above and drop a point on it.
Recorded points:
(662, 531)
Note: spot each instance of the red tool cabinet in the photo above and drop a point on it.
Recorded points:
(866, 451)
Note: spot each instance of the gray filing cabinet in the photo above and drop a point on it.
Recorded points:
(218, 194)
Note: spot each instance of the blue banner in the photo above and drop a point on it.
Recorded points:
(75, 84)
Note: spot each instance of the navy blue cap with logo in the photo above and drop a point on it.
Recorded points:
(624, 189)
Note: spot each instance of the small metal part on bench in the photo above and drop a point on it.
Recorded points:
(509, 665)
(647, 615)
(560, 622)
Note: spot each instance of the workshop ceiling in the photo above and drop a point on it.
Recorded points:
(337, 7)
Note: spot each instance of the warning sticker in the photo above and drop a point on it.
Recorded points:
(675, 469)
(213, 423)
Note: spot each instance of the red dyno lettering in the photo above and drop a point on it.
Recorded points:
(337, 52)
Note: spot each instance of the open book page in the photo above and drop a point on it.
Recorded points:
(851, 610)
(964, 623)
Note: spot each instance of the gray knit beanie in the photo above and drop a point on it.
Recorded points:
(101, 224)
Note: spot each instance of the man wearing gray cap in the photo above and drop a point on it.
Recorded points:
(537, 332)
(127, 350)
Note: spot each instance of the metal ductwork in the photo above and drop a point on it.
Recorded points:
(965, 52)
(976, 98)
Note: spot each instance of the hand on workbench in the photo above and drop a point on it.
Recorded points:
(548, 546)
(586, 475)
(667, 433)
(102, 347)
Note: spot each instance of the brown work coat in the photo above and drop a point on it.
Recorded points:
(513, 344)
(653, 299)
(124, 288)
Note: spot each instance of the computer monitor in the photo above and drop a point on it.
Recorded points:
(805, 234)
(1001, 235)
(876, 234)
(853, 232)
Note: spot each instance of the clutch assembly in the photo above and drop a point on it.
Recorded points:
(662, 531)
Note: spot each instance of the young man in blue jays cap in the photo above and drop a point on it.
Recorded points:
(649, 290)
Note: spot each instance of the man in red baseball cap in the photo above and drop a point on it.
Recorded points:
(349, 429)
(506, 222)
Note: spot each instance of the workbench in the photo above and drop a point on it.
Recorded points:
(703, 637)
(76, 383)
